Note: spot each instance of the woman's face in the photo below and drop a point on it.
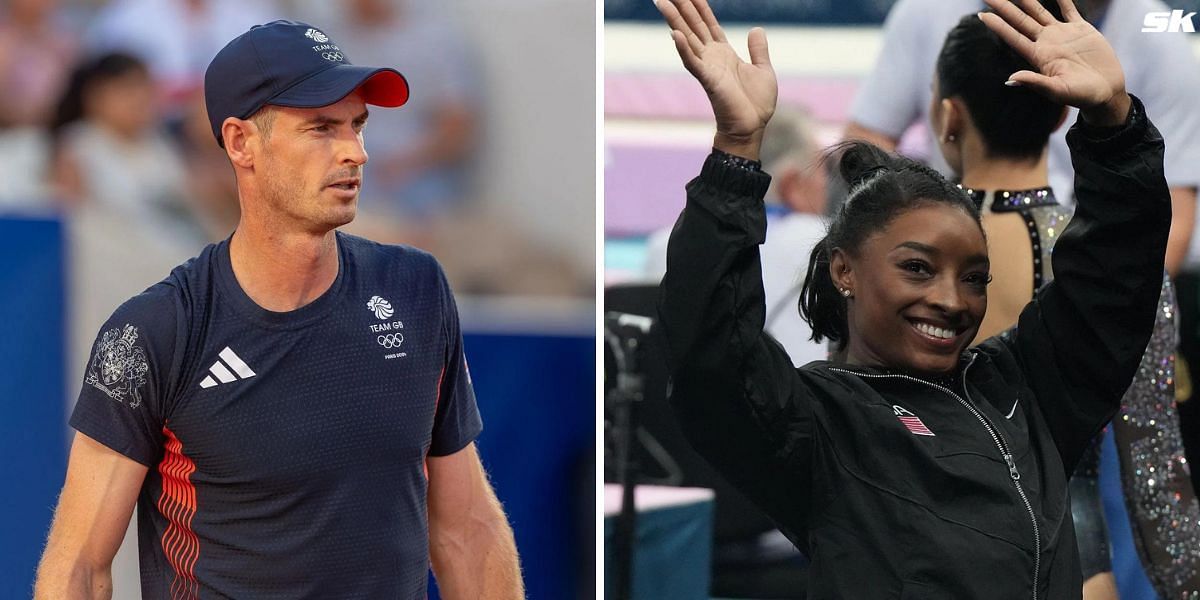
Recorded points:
(919, 290)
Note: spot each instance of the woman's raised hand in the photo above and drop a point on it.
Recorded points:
(742, 94)
(1075, 64)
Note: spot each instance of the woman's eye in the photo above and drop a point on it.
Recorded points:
(980, 279)
(915, 266)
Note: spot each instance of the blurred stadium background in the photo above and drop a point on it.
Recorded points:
(109, 177)
(657, 131)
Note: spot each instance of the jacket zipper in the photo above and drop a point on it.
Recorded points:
(998, 439)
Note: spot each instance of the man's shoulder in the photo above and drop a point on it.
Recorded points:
(369, 254)
(161, 305)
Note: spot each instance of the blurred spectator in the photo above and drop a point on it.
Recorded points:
(795, 206)
(109, 152)
(420, 163)
(35, 56)
(176, 38)
(210, 180)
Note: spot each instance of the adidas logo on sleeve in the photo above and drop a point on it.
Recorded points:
(232, 369)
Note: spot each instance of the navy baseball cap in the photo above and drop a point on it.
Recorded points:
(287, 63)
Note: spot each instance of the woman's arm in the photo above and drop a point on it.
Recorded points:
(1081, 338)
(734, 390)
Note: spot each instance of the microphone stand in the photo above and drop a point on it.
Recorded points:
(626, 334)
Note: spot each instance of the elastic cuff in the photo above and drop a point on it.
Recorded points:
(1108, 138)
(740, 180)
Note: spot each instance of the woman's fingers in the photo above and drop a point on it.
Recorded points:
(1015, 39)
(691, 62)
(674, 19)
(1034, 9)
(1016, 18)
(756, 43)
(710, 19)
(1034, 81)
(694, 21)
(1069, 12)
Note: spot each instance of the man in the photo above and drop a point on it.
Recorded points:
(291, 410)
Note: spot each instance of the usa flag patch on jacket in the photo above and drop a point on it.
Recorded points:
(911, 421)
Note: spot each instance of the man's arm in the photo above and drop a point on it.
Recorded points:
(858, 131)
(93, 513)
(470, 542)
(1183, 215)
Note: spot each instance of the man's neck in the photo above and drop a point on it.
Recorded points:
(282, 271)
(995, 173)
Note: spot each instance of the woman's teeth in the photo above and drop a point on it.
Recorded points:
(937, 332)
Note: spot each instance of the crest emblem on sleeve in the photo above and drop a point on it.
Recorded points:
(119, 366)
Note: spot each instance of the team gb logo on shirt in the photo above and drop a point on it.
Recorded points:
(382, 308)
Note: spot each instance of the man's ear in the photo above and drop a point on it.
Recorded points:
(238, 135)
(840, 270)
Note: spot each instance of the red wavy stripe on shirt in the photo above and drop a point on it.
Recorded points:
(436, 399)
(178, 505)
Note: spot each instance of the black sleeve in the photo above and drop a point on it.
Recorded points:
(734, 390)
(1080, 340)
(123, 400)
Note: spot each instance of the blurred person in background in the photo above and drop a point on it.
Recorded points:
(213, 186)
(175, 38)
(36, 56)
(795, 209)
(1161, 67)
(995, 139)
(110, 152)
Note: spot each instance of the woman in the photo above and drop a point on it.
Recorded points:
(918, 469)
(1003, 169)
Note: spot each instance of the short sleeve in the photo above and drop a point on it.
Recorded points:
(456, 421)
(890, 97)
(1170, 96)
(123, 395)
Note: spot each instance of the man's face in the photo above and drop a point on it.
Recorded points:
(311, 163)
(920, 291)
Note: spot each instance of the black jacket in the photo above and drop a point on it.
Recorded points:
(979, 509)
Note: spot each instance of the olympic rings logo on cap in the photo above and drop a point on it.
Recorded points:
(335, 56)
(391, 340)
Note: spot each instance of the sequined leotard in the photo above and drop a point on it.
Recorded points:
(1162, 505)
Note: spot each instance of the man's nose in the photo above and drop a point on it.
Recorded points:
(352, 150)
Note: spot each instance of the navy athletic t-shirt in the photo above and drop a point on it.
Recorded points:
(286, 450)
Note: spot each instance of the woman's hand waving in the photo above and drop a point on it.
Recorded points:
(742, 94)
(1075, 64)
